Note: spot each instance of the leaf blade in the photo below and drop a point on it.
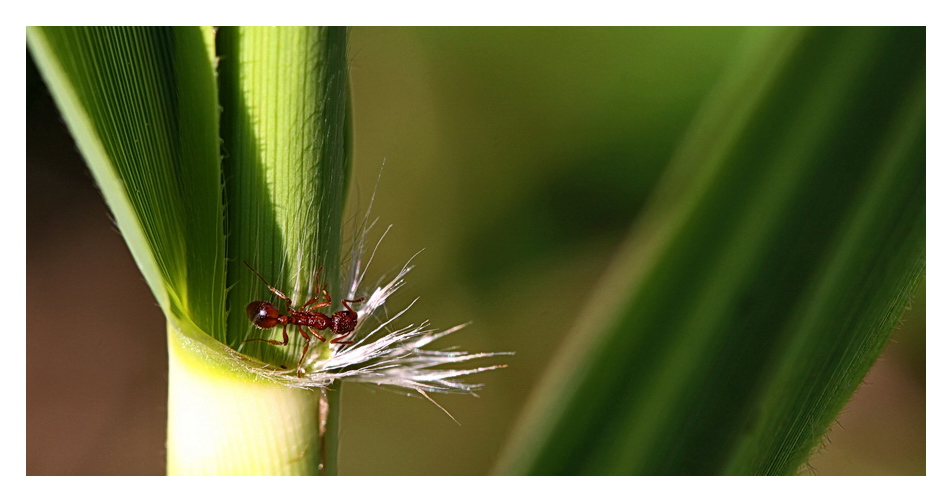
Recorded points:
(142, 105)
(662, 376)
(287, 132)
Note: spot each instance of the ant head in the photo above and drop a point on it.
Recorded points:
(263, 314)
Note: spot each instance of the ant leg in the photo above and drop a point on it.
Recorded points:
(348, 307)
(317, 296)
(307, 343)
(338, 339)
(273, 342)
(317, 276)
(307, 307)
(315, 333)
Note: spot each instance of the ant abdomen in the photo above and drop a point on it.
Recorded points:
(343, 322)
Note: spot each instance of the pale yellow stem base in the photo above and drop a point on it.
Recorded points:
(224, 420)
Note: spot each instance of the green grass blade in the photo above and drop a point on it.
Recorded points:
(142, 105)
(765, 277)
(287, 134)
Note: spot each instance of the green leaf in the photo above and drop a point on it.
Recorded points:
(286, 129)
(142, 106)
(765, 277)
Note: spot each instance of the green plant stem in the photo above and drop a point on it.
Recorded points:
(330, 430)
(224, 421)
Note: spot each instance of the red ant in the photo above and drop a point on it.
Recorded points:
(266, 316)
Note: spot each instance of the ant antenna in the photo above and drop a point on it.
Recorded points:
(256, 272)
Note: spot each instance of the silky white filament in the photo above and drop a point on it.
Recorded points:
(382, 354)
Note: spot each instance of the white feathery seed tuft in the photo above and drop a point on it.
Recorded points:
(381, 353)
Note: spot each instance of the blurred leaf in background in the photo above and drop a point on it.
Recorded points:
(493, 138)
(765, 276)
(524, 179)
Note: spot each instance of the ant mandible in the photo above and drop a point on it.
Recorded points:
(266, 316)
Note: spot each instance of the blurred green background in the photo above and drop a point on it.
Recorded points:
(517, 158)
